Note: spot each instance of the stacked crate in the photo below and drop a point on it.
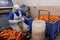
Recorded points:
(52, 28)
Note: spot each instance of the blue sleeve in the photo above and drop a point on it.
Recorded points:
(23, 13)
(11, 16)
(26, 21)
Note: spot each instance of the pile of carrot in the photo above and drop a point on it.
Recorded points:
(53, 18)
(11, 35)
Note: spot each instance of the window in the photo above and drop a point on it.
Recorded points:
(6, 3)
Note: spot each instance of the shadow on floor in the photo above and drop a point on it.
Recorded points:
(57, 37)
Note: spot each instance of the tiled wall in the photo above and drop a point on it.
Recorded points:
(54, 10)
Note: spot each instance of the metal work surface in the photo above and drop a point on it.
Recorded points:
(4, 22)
(57, 37)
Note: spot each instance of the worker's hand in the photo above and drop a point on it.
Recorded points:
(19, 21)
(22, 19)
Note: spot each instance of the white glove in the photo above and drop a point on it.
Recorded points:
(18, 21)
(22, 19)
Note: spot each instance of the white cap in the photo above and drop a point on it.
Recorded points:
(16, 7)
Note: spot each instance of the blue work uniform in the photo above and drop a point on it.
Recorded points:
(16, 16)
(23, 13)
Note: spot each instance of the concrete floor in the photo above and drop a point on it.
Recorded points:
(57, 37)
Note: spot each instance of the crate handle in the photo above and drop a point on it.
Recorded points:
(43, 11)
(48, 17)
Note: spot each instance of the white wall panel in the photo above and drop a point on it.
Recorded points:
(39, 2)
(48, 2)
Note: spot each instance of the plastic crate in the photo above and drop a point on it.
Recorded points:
(52, 29)
(59, 25)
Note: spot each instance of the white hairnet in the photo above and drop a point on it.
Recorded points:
(16, 7)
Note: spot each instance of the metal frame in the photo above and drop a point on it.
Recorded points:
(45, 11)
(48, 17)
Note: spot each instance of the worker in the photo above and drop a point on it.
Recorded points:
(24, 10)
(15, 17)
